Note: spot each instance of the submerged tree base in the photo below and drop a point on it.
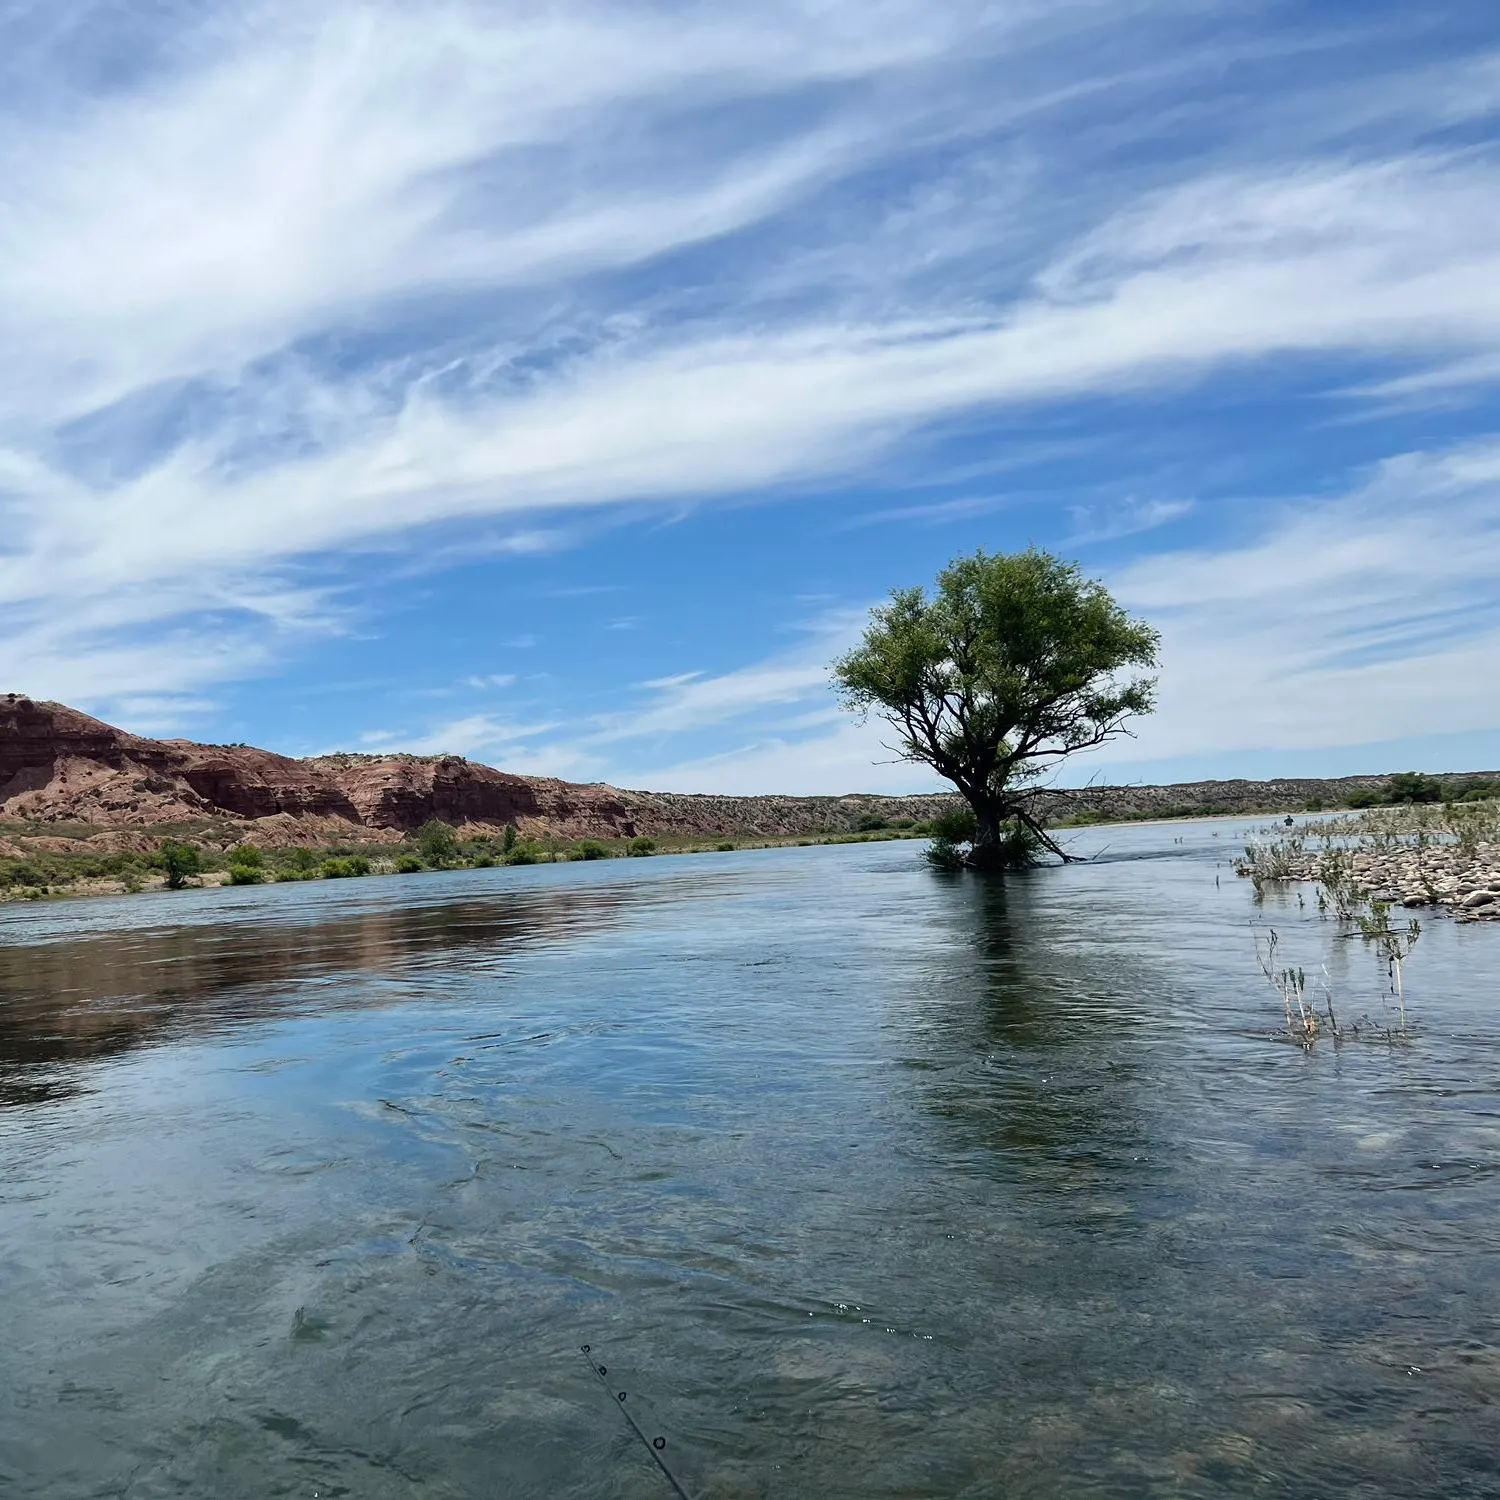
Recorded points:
(1015, 844)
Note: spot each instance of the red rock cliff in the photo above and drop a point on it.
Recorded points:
(61, 766)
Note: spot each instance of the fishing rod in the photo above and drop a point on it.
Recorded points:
(654, 1445)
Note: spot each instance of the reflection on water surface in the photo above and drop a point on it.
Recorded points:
(870, 1182)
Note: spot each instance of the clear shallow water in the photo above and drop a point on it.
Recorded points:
(863, 1181)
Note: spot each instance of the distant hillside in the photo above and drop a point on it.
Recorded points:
(88, 781)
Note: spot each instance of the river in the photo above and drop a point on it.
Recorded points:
(858, 1179)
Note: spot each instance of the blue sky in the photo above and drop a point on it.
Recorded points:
(560, 384)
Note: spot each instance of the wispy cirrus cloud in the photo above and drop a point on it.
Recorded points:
(1359, 619)
(1343, 620)
(784, 695)
(1108, 523)
(297, 300)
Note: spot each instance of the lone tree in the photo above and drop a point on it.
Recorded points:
(180, 862)
(1012, 666)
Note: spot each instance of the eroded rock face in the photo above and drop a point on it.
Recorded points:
(406, 791)
(61, 766)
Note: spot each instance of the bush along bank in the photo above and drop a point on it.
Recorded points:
(180, 862)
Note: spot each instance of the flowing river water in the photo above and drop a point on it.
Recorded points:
(860, 1180)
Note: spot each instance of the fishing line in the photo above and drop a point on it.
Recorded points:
(654, 1445)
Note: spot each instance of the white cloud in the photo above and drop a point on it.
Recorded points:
(784, 695)
(1229, 270)
(345, 275)
(711, 701)
(853, 758)
(1111, 522)
(1436, 385)
(472, 735)
(1372, 617)
(277, 179)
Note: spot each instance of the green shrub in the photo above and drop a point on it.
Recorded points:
(305, 862)
(522, 854)
(1364, 796)
(1413, 786)
(509, 841)
(956, 826)
(953, 833)
(180, 862)
(245, 857)
(342, 869)
(641, 846)
(246, 875)
(1085, 817)
(871, 823)
(438, 842)
(944, 854)
(408, 864)
(590, 849)
(725, 848)
(483, 861)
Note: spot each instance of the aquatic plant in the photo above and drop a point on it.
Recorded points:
(1303, 1025)
(1291, 985)
(1336, 884)
(1267, 861)
(1395, 943)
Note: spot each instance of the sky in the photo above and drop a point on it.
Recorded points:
(560, 384)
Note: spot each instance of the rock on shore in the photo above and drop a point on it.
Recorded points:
(1443, 875)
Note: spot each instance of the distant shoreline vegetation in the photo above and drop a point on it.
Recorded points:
(180, 862)
(185, 858)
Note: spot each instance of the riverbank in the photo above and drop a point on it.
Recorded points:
(52, 876)
(1445, 857)
(72, 784)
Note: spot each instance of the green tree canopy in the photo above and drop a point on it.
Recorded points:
(1014, 664)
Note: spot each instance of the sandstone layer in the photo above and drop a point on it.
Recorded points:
(90, 782)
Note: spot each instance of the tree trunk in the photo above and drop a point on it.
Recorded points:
(993, 849)
(1008, 837)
